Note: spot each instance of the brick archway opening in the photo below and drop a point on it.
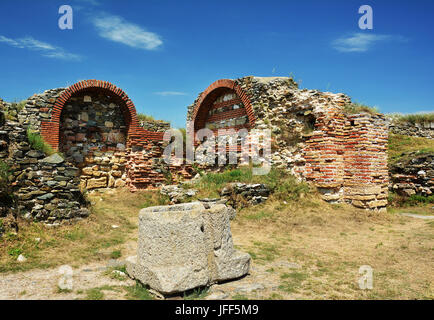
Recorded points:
(50, 130)
(222, 102)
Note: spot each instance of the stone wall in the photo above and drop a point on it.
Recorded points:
(93, 136)
(424, 130)
(47, 188)
(155, 125)
(413, 174)
(344, 155)
(94, 124)
(4, 138)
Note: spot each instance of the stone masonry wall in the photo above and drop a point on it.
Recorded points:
(95, 127)
(413, 174)
(424, 130)
(343, 155)
(47, 188)
(91, 134)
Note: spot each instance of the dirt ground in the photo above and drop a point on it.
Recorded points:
(298, 252)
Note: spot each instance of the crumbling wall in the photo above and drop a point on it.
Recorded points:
(4, 139)
(101, 144)
(95, 125)
(344, 155)
(155, 125)
(413, 174)
(424, 130)
(47, 188)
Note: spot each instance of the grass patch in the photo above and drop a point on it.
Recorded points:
(144, 117)
(60, 290)
(89, 240)
(12, 110)
(414, 118)
(37, 142)
(283, 185)
(147, 118)
(94, 294)
(259, 215)
(354, 108)
(116, 254)
(292, 281)
(138, 292)
(398, 201)
(196, 294)
(264, 252)
(399, 144)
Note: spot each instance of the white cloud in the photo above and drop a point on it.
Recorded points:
(170, 93)
(85, 4)
(45, 49)
(116, 29)
(361, 42)
(90, 2)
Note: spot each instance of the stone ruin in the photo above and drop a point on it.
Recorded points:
(424, 129)
(94, 125)
(185, 246)
(344, 155)
(413, 174)
(102, 144)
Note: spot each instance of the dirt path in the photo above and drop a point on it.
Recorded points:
(43, 284)
(310, 260)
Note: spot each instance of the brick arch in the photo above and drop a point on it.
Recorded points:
(208, 95)
(50, 129)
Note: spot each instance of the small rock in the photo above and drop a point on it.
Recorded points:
(35, 154)
(21, 258)
(46, 196)
(54, 159)
(115, 226)
(119, 273)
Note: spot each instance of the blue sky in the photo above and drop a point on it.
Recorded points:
(163, 53)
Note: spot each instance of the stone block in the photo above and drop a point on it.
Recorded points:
(97, 183)
(182, 247)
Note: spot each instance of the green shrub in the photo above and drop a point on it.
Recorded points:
(138, 292)
(398, 144)
(6, 195)
(144, 117)
(37, 142)
(396, 200)
(415, 118)
(283, 185)
(116, 254)
(354, 108)
(417, 199)
(11, 111)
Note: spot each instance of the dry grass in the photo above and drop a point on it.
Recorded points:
(331, 242)
(415, 118)
(398, 144)
(89, 240)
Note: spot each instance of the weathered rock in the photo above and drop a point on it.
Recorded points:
(253, 193)
(413, 174)
(53, 159)
(97, 183)
(177, 194)
(185, 246)
(21, 258)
